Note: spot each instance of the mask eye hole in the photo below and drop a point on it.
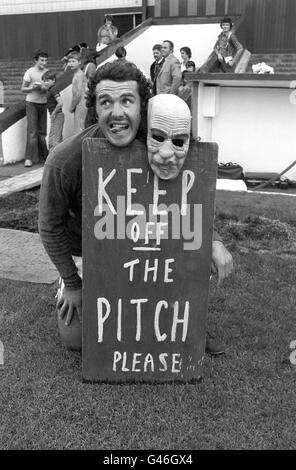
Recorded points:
(158, 138)
(178, 142)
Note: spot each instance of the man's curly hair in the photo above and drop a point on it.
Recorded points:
(118, 71)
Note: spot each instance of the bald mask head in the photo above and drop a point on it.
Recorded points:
(168, 137)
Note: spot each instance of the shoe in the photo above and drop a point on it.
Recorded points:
(213, 347)
(28, 162)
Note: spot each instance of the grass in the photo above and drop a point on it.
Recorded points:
(246, 399)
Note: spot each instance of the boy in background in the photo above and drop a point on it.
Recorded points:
(35, 90)
(79, 86)
(54, 106)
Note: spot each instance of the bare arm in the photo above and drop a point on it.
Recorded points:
(77, 90)
(27, 88)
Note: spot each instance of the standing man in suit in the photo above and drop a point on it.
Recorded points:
(169, 77)
(156, 66)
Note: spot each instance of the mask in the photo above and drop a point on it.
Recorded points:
(168, 137)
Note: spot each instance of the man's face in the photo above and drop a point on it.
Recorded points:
(225, 27)
(108, 23)
(118, 106)
(157, 54)
(168, 135)
(74, 64)
(41, 62)
(165, 49)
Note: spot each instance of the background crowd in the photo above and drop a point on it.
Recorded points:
(168, 74)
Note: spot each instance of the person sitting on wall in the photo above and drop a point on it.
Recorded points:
(120, 93)
(227, 49)
(106, 33)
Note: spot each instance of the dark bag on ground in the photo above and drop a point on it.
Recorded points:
(230, 171)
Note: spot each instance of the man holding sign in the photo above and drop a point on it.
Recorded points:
(120, 93)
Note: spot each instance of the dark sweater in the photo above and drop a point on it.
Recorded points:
(60, 206)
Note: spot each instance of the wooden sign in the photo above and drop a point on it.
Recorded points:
(146, 264)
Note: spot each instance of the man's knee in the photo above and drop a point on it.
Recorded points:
(71, 335)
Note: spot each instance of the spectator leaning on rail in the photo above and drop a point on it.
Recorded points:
(35, 89)
(227, 48)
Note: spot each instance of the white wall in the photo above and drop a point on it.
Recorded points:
(14, 141)
(256, 128)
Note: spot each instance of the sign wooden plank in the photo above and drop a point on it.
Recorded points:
(145, 273)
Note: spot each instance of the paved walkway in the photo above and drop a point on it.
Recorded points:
(15, 178)
(14, 169)
(23, 258)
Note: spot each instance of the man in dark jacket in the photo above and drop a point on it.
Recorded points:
(156, 65)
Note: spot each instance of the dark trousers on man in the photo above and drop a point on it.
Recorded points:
(36, 149)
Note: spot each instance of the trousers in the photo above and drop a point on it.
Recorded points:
(36, 149)
(56, 130)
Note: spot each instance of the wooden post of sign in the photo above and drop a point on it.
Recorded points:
(146, 264)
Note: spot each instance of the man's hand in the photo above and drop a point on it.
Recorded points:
(231, 62)
(221, 260)
(70, 301)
